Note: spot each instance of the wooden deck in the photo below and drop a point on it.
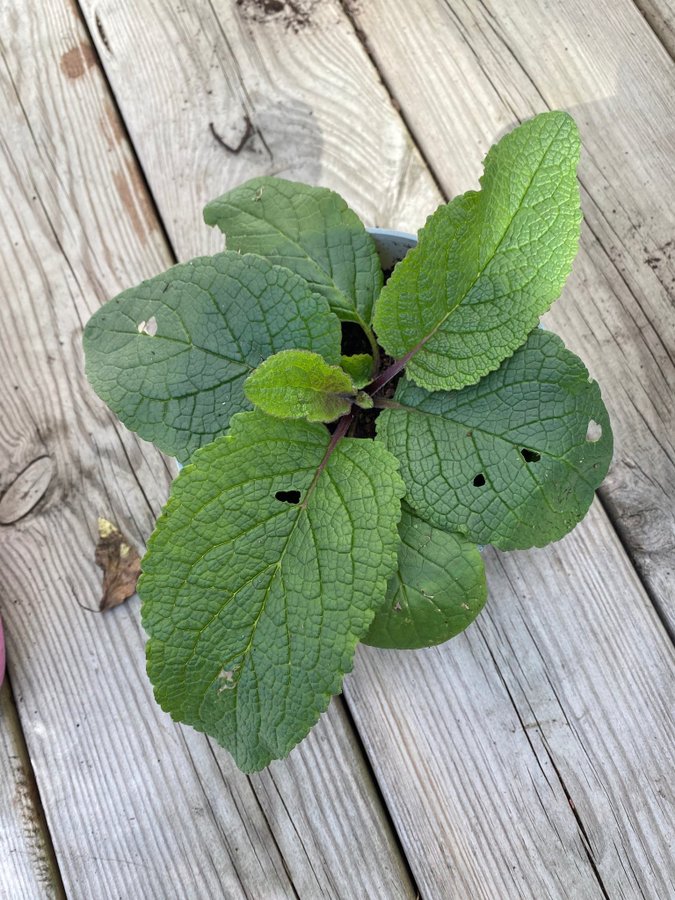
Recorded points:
(531, 757)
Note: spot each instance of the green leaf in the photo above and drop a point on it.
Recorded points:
(263, 573)
(437, 591)
(297, 384)
(170, 356)
(512, 461)
(488, 264)
(309, 230)
(360, 367)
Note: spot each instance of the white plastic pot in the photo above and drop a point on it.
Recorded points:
(392, 246)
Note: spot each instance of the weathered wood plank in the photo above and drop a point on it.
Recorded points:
(137, 806)
(332, 124)
(202, 70)
(28, 867)
(472, 70)
(660, 14)
(535, 758)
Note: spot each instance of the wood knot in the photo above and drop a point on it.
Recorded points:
(27, 489)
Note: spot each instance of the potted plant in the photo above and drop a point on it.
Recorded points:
(347, 444)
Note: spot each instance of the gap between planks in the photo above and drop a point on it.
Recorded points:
(38, 869)
(660, 16)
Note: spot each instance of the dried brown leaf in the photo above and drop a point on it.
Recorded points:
(121, 565)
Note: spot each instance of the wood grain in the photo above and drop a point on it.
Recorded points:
(189, 76)
(660, 14)
(468, 772)
(535, 758)
(28, 870)
(496, 63)
(136, 806)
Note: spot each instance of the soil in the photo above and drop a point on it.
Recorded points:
(353, 340)
(364, 426)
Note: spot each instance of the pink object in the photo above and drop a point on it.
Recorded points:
(2, 654)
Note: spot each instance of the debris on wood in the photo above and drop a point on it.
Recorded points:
(121, 565)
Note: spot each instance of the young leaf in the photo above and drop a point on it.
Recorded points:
(309, 230)
(170, 356)
(512, 461)
(263, 573)
(437, 591)
(488, 264)
(360, 367)
(297, 384)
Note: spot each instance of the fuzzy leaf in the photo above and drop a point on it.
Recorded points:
(489, 263)
(437, 591)
(309, 230)
(297, 384)
(263, 573)
(512, 461)
(360, 367)
(170, 356)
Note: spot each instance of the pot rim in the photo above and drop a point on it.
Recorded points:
(390, 233)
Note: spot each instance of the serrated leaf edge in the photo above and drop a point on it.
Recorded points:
(411, 354)
(389, 560)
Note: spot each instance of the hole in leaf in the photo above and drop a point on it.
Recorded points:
(288, 496)
(149, 327)
(530, 455)
(354, 339)
(594, 431)
(479, 480)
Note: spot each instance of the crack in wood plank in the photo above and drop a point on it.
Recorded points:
(24, 831)
(585, 840)
(660, 16)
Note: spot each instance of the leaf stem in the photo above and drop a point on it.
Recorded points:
(340, 431)
(386, 403)
(373, 344)
(391, 372)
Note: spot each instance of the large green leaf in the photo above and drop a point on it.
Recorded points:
(488, 264)
(170, 356)
(310, 230)
(297, 384)
(512, 461)
(437, 591)
(263, 573)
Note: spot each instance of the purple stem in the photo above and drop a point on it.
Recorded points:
(391, 372)
(336, 437)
